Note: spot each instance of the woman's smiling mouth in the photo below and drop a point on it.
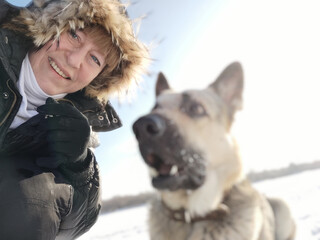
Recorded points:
(57, 69)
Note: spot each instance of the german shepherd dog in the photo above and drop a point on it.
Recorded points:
(197, 171)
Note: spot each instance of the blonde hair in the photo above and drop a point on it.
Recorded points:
(113, 57)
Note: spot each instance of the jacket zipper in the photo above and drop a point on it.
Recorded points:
(14, 102)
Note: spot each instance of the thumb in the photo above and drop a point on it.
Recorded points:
(50, 100)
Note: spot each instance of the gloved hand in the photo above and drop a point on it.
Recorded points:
(67, 133)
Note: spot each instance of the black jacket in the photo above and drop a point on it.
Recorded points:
(76, 195)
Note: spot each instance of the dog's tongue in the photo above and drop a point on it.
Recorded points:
(164, 169)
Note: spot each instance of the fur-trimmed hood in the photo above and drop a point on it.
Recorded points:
(45, 20)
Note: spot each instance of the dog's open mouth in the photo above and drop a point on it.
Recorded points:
(165, 175)
(162, 168)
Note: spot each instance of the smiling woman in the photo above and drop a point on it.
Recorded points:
(72, 62)
(60, 61)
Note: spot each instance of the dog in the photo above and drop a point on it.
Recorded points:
(196, 167)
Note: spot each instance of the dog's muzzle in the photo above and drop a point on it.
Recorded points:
(162, 147)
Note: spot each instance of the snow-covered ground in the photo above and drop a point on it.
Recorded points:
(301, 191)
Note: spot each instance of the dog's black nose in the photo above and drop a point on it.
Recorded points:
(151, 125)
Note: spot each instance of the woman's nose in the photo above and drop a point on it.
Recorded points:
(75, 57)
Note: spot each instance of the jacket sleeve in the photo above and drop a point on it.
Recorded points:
(86, 201)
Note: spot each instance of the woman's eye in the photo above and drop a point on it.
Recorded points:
(74, 35)
(96, 60)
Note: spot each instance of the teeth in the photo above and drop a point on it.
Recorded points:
(153, 172)
(57, 69)
(174, 170)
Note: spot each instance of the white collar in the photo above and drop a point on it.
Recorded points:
(32, 95)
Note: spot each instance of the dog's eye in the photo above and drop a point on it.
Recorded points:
(197, 109)
(194, 109)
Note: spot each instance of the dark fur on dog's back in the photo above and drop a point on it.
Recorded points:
(196, 168)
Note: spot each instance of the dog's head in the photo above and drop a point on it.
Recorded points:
(186, 136)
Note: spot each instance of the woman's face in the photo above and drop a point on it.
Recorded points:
(69, 66)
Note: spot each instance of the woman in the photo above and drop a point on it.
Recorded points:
(59, 62)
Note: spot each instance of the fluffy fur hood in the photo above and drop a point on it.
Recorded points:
(44, 20)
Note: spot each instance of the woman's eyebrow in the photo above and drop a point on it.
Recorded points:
(81, 32)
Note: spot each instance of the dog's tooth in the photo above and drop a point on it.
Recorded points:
(173, 170)
(153, 172)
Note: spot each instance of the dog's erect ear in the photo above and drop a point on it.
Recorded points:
(162, 84)
(229, 86)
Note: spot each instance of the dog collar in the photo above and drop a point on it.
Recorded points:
(183, 215)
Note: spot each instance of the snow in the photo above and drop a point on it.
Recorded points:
(122, 224)
(301, 191)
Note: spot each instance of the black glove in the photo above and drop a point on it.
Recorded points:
(67, 134)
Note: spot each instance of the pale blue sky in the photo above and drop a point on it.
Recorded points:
(20, 3)
(277, 43)
(170, 27)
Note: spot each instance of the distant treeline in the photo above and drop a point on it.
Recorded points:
(289, 170)
(121, 202)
